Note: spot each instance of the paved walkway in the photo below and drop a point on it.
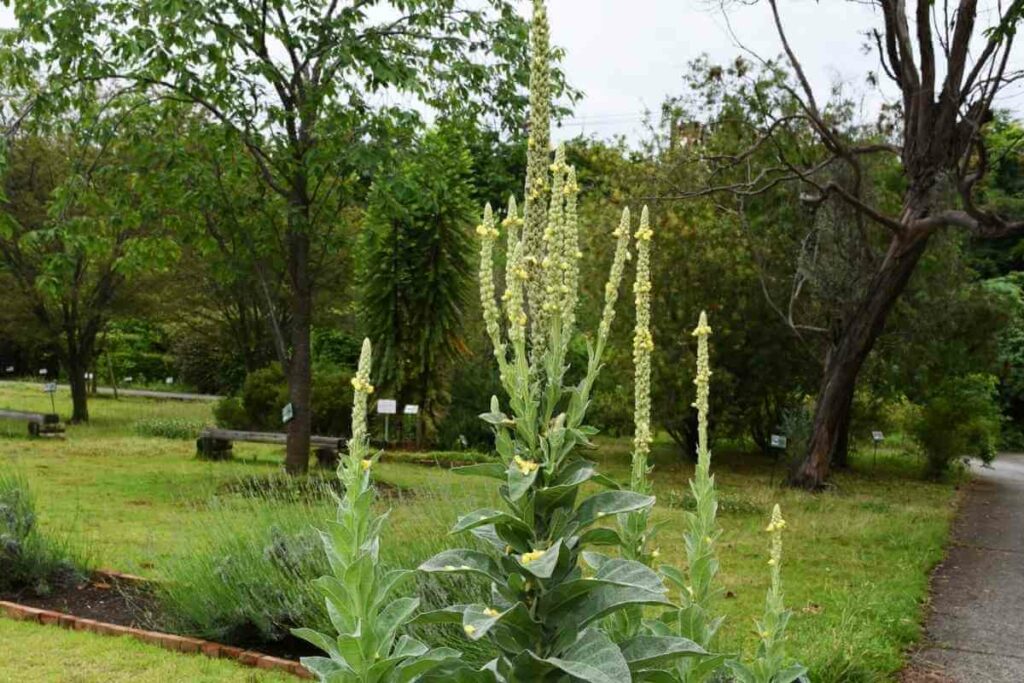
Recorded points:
(976, 628)
(140, 393)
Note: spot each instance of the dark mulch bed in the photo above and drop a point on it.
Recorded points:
(101, 598)
(130, 603)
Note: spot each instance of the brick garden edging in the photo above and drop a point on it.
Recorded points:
(164, 640)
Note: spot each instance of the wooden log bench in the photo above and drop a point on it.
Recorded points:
(38, 423)
(215, 444)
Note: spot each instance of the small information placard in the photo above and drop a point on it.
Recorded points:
(169, 380)
(287, 413)
(10, 369)
(778, 441)
(50, 387)
(387, 406)
(42, 371)
(411, 409)
(877, 436)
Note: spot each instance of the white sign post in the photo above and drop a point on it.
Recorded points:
(51, 389)
(778, 442)
(411, 409)
(876, 438)
(386, 407)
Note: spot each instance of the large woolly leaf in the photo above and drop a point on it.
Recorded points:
(394, 616)
(323, 667)
(543, 566)
(325, 643)
(452, 614)
(424, 662)
(610, 503)
(614, 572)
(645, 652)
(605, 599)
(520, 479)
(488, 516)
(464, 561)
(593, 658)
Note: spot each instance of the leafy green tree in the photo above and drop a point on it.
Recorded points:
(300, 84)
(947, 76)
(79, 226)
(416, 272)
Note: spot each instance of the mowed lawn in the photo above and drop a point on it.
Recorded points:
(856, 558)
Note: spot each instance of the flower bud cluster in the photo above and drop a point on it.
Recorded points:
(643, 344)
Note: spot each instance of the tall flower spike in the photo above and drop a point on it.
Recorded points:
(538, 154)
(611, 288)
(488, 234)
(571, 257)
(361, 390)
(643, 344)
(553, 248)
(699, 590)
(703, 384)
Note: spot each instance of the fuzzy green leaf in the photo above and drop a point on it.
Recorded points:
(607, 503)
(485, 517)
(463, 561)
(593, 658)
(644, 652)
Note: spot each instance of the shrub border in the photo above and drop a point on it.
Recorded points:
(167, 641)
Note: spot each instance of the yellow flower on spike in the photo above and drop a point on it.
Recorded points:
(469, 629)
(366, 463)
(491, 612)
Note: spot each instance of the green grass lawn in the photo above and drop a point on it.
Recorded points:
(30, 652)
(855, 566)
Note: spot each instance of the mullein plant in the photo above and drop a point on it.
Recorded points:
(368, 645)
(549, 594)
(636, 529)
(695, 619)
(770, 663)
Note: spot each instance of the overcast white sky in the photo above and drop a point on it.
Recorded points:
(628, 55)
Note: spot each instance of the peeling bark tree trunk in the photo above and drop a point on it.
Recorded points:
(844, 362)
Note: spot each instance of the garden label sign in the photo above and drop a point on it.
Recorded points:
(778, 441)
(411, 409)
(51, 389)
(287, 413)
(385, 407)
(877, 436)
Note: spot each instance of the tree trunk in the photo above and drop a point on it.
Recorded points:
(300, 364)
(845, 359)
(79, 392)
(840, 451)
